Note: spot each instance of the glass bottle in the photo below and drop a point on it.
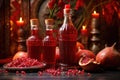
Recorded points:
(34, 42)
(67, 39)
(49, 44)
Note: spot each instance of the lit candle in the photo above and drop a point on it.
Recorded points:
(84, 36)
(84, 31)
(95, 14)
(20, 22)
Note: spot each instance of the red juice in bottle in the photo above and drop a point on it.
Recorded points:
(67, 40)
(34, 42)
(49, 44)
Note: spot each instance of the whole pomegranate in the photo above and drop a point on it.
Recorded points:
(79, 45)
(109, 57)
(20, 54)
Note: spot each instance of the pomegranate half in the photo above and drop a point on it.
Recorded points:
(89, 64)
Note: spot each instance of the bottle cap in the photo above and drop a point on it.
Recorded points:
(67, 6)
(67, 9)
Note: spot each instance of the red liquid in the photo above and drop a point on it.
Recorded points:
(34, 46)
(67, 52)
(49, 47)
(67, 44)
(49, 54)
(34, 52)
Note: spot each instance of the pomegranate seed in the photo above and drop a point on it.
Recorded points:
(88, 74)
(68, 73)
(54, 73)
(40, 73)
(5, 71)
(1, 70)
(59, 70)
(82, 72)
(70, 70)
(23, 72)
(58, 73)
(17, 72)
(79, 72)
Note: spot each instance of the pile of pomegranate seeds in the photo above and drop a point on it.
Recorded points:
(28, 62)
(24, 62)
(70, 72)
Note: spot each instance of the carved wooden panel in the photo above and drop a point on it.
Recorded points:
(19, 8)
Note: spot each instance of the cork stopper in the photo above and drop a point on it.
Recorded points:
(49, 24)
(34, 23)
(49, 21)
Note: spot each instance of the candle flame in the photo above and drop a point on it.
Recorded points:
(83, 27)
(20, 22)
(94, 12)
(20, 19)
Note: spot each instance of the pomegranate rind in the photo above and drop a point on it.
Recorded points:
(20, 54)
(86, 53)
(91, 65)
(108, 59)
(80, 45)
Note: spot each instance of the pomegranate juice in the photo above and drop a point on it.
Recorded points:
(67, 52)
(49, 54)
(34, 52)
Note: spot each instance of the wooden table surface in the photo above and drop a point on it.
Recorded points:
(107, 75)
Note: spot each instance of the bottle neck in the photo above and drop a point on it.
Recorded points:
(67, 18)
(49, 29)
(34, 30)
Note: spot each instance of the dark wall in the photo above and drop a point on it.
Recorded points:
(4, 28)
(110, 33)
